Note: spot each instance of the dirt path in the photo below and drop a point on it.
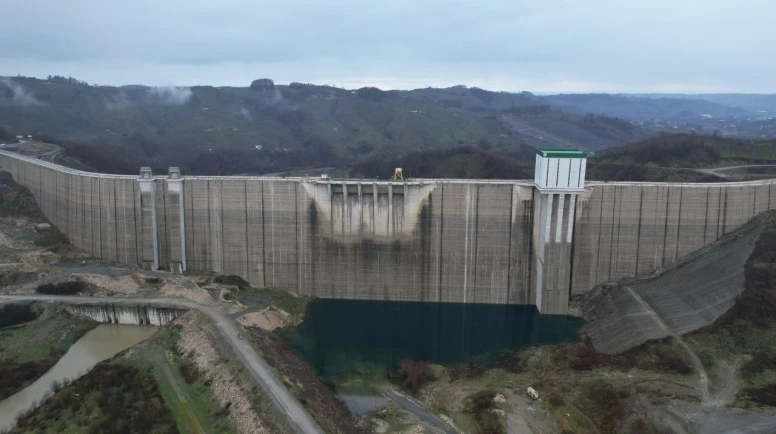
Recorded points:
(703, 377)
(258, 368)
(159, 359)
(712, 416)
(421, 413)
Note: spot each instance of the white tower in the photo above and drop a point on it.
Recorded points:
(559, 178)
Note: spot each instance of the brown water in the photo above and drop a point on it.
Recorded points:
(101, 343)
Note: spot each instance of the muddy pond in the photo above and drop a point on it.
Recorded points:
(101, 343)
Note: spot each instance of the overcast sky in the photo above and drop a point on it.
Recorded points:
(538, 45)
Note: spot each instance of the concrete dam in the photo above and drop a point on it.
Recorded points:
(123, 314)
(466, 241)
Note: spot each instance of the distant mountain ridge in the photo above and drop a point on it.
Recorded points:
(271, 128)
(643, 108)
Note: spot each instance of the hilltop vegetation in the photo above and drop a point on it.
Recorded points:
(668, 158)
(642, 108)
(268, 128)
(689, 150)
(467, 162)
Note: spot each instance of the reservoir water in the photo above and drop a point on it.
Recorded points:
(101, 343)
(340, 336)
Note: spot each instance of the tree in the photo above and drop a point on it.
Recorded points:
(483, 95)
(262, 84)
(5, 135)
(65, 80)
(370, 93)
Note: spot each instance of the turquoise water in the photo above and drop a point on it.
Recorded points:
(341, 336)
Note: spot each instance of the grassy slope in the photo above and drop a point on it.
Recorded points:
(98, 402)
(29, 350)
(660, 159)
(667, 157)
(687, 150)
(165, 391)
(188, 397)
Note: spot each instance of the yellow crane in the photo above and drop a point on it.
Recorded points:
(397, 175)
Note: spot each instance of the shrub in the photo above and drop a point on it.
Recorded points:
(763, 395)
(63, 288)
(232, 280)
(555, 399)
(110, 398)
(189, 372)
(480, 406)
(604, 405)
(13, 376)
(760, 362)
(466, 370)
(668, 360)
(413, 375)
(16, 313)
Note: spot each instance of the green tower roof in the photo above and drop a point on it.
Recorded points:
(561, 153)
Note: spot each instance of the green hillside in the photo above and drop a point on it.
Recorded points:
(691, 151)
(266, 128)
(667, 158)
(465, 162)
(475, 163)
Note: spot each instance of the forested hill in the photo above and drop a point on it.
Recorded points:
(268, 128)
(692, 151)
(667, 158)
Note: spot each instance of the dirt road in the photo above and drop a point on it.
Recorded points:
(297, 416)
(420, 412)
(190, 419)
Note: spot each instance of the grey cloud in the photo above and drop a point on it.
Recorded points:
(120, 101)
(604, 44)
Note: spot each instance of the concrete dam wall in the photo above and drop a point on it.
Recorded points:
(475, 241)
(122, 314)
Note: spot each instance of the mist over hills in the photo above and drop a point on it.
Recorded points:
(268, 128)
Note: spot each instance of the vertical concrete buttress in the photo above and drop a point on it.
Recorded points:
(150, 253)
(553, 238)
(559, 178)
(176, 224)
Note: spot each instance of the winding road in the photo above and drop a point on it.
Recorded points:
(298, 418)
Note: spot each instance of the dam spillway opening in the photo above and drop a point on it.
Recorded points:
(126, 314)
